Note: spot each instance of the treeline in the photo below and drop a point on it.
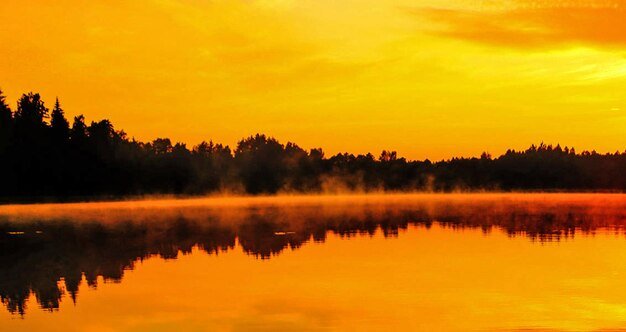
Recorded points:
(43, 156)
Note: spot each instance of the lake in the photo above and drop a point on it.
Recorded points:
(429, 262)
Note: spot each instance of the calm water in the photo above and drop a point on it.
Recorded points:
(358, 263)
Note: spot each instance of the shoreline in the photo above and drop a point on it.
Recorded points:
(296, 198)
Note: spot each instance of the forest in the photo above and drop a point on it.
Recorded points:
(44, 157)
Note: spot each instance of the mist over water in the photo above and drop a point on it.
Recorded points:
(52, 255)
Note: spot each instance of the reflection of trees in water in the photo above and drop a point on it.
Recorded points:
(36, 255)
(49, 251)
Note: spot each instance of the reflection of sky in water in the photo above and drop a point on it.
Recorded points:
(441, 271)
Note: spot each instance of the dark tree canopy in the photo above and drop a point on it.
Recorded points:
(6, 123)
(261, 164)
(59, 124)
(42, 157)
(31, 111)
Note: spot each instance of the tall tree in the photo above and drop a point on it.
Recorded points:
(6, 138)
(31, 146)
(58, 122)
(78, 133)
(31, 110)
(260, 160)
(6, 116)
(6, 123)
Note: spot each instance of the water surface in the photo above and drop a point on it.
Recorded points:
(388, 262)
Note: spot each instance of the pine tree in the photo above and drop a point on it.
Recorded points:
(6, 127)
(5, 112)
(58, 122)
(6, 123)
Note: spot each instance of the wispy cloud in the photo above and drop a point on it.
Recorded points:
(539, 24)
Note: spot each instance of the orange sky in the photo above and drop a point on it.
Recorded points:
(428, 78)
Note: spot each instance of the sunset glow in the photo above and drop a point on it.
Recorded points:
(430, 79)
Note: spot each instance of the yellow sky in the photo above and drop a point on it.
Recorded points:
(428, 78)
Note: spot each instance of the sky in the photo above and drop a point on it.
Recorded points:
(427, 78)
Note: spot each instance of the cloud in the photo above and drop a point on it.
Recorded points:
(536, 24)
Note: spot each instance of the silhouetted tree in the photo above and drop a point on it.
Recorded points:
(260, 160)
(31, 150)
(162, 146)
(59, 124)
(6, 123)
(6, 142)
(60, 163)
(212, 164)
(78, 133)
(388, 155)
(49, 160)
(31, 113)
